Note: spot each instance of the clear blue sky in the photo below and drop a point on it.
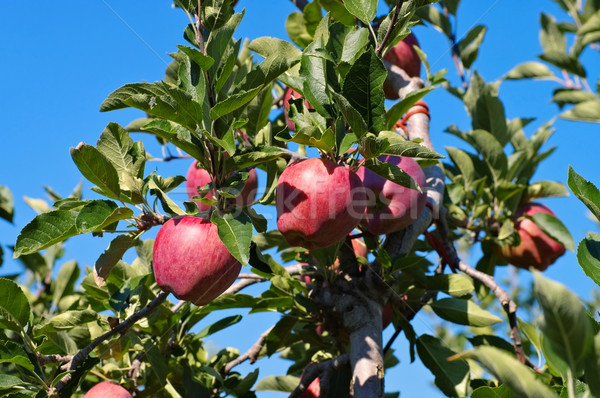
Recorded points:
(61, 59)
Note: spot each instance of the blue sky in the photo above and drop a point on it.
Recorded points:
(61, 59)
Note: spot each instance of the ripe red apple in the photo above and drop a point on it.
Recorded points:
(387, 315)
(536, 249)
(198, 177)
(289, 92)
(313, 390)
(190, 261)
(392, 207)
(404, 56)
(318, 203)
(107, 389)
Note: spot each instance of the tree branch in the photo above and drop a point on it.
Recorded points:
(510, 307)
(80, 357)
(381, 45)
(251, 354)
(250, 279)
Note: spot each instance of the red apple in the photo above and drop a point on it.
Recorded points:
(198, 177)
(536, 249)
(190, 261)
(107, 389)
(313, 390)
(387, 315)
(289, 92)
(404, 56)
(392, 207)
(318, 203)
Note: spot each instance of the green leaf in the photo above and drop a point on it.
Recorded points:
(6, 204)
(167, 203)
(315, 88)
(111, 256)
(46, 230)
(362, 88)
(65, 280)
(564, 96)
(278, 383)
(355, 43)
(555, 229)
(489, 115)
(157, 361)
(392, 172)
(219, 325)
(177, 135)
(67, 320)
(259, 155)
(203, 61)
(8, 381)
(532, 335)
(450, 377)
(98, 214)
(588, 111)
(11, 352)
(463, 312)
(14, 306)
(235, 232)
(492, 153)
(400, 108)
(365, 10)
(456, 285)
(464, 162)
(529, 70)
(469, 46)
(564, 61)
(439, 21)
(551, 38)
(351, 115)
(399, 146)
(266, 46)
(489, 392)
(544, 189)
(233, 102)
(588, 256)
(97, 169)
(566, 323)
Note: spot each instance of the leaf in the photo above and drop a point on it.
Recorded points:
(362, 88)
(278, 383)
(315, 88)
(401, 147)
(488, 392)
(219, 325)
(400, 108)
(564, 61)
(233, 102)
(45, 230)
(551, 38)
(392, 172)
(157, 361)
(564, 96)
(11, 352)
(544, 189)
(203, 61)
(258, 155)
(365, 10)
(463, 312)
(509, 371)
(489, 115)
(469, 46)
(67, 320)
(588, 111)
(351, 115)
(167, 203)
(14, 306)
(266, 46)
(451, 377)
(456, 285)
(111, 256)
(177, 135)
(7, 210)
(588, 256)
(97, 169)
(529, 70)
(235, 231)
(65, 280)
(555, 229)
(565, 325)
(8, 381)
(492, 153)
(98, 214)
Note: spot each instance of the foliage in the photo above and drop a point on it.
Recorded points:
(219, 103)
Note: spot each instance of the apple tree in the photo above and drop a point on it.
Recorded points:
(371, 220)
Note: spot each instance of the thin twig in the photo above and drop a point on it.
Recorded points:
(510, 307)
(251, 279)
(55, 358)
(251, 354)
(80, 357)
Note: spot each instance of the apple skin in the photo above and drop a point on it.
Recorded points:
(190, 261)
(286, 105)
(392, 207)
(318, 203)
(107, 389)
(198, 177)
(404, 56)
(536, 249)
(313, 390)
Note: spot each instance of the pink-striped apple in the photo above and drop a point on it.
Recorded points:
(536, 249)
(198, 177)
(404, 56)
(318, 203)
(190, 261)
(392, 207)
(107, 389)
